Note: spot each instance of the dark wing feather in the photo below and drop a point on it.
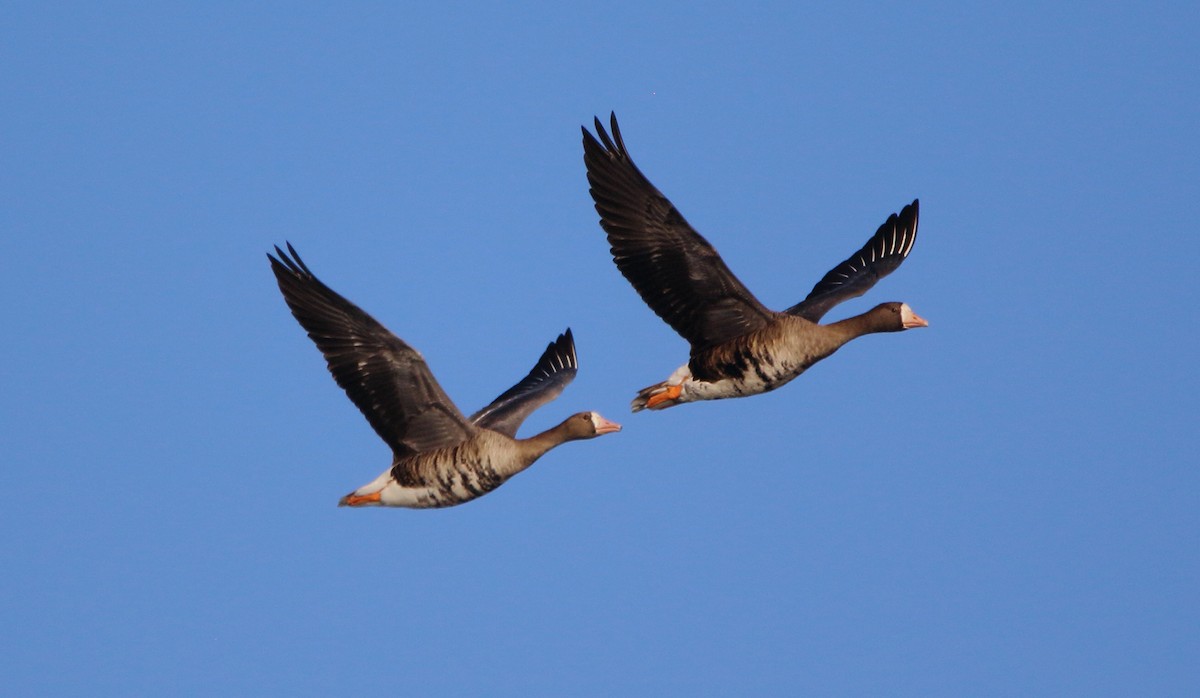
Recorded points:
(387, 379)
(886, 249)
(546, 381)
(675, 270)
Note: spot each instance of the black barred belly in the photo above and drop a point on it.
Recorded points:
(740, 372)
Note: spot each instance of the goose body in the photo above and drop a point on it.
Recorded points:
(452, 475)
(763, 360)
(440, 457)
(739, 347)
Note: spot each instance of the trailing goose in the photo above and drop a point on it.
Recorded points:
(738, 346)
(440, 458)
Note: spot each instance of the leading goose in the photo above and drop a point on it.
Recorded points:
(738, 346)
(440, 458)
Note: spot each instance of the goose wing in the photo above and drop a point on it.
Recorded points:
(675, 270)
(384, 377)
(546, 380)
(886, 249)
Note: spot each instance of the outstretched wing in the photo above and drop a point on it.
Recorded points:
(387, 379)
(675, 270)
(886, 249)
(546, 381)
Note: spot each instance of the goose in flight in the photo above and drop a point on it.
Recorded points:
(739, 347)
(439, 457)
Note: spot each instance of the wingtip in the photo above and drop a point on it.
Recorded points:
(609, 139)
(567, 342)
(281, 263)
(289, 260)
(616, 132)
(911, 216)
(562, 349)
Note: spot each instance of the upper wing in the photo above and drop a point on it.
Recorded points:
(546, 381)
(886, 249)
(386, 378)
(675, 270)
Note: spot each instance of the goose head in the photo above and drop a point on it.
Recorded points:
(893, 317)
(588, 425)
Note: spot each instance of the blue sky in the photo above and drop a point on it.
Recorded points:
(1003, 504)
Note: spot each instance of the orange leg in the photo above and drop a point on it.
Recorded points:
(670, 393)
(357, 500)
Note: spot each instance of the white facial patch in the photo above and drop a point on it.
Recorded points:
(909, 319)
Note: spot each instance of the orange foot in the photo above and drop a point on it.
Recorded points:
(357, 500)
(670, 393)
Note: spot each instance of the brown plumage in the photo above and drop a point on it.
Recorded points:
(738, 346)
(439, 457)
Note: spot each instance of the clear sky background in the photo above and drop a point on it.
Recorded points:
(1007, 503)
